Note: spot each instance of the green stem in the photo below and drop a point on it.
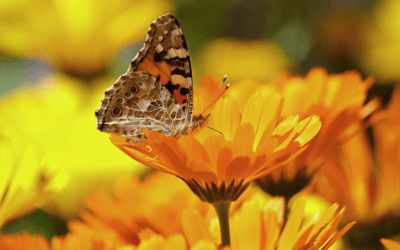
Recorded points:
(222, 209)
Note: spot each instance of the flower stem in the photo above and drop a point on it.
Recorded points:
(222, 209)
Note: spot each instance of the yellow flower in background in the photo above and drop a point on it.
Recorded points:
(27, 181)
(79, 37)
(57, 115)
(338, 100)
(219, 166)
(379, 48)
(239, 60)
(368, 183)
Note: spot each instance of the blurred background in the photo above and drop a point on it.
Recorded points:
(57, 57)
(86, 40)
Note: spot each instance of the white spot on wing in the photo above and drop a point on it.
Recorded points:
(182, 52)
(172, 53)
(178, 79)
(175, 32)
(159, 48)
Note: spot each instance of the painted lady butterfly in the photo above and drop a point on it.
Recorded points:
(156, 93)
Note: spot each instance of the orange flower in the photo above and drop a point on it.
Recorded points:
(148, 216)
(23, 241)
(257, 224)
(98, 241)
(138, 205)
(218, 166)
(339, 102)
(368, 185)
(260, 224)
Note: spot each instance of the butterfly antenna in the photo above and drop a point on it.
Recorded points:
(211, 102)
(216, 130)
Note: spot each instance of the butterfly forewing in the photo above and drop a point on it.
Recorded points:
(165, 56)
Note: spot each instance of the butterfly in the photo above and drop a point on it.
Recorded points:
(156, 93)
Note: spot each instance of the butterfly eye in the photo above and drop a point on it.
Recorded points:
(120, 100)
(117, 111)
(127, 94)
(134, 89)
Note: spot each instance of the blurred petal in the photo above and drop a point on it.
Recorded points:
(59, 112)
(391, 245)
(23, 241)
(26, 182)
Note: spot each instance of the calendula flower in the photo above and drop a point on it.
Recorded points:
(146, 215)
(56, 115)
(257, 224)
(155, 204)
(23, 241)
(261, 224)
(78, 37)
(366, 183)
(252, 144)
(390, 244)
(149, 241)
(26, 181)
(142, 209)
(218, 167)
(99, 241)
(337, 99)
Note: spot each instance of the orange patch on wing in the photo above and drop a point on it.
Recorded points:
(155, 69)
(179, 98)
(163, 70)
(181, 82)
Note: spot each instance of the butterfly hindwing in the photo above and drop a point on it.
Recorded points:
(139, 101)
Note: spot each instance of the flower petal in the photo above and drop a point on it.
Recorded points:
(225, 117)
(194, 227)
(252, 111)
(313, 124)
(246, 227)
(271, 111)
